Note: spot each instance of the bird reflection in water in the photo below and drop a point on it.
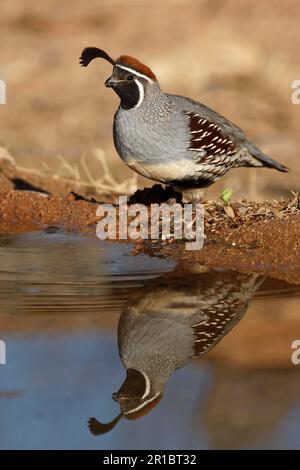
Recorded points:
(167, 324)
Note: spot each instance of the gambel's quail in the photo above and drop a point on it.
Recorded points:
(172, 321)
(169, 138)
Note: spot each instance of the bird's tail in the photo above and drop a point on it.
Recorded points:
(260, 159)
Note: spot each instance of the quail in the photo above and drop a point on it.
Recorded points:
(173, 139)
(171, 322)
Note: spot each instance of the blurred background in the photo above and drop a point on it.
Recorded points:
(238, 57)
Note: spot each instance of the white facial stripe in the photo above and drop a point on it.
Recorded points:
(140, 407)
(142, 93)
(148, 386)
(138, 74)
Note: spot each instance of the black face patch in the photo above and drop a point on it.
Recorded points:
(124, 84)
(133, 387)
(129, 94)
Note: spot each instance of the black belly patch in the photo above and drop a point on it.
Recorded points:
(192, 183)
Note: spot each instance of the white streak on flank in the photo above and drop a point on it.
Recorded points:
(142, 405)
(142, 93)
(138, 74)
(148, 386)
(200, 323)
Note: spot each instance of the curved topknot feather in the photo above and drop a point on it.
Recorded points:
(90, 53)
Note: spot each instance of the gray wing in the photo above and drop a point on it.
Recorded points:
(219, 140)
(227, 128)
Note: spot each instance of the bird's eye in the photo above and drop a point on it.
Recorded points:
(129, 77)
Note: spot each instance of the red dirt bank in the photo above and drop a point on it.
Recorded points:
(260, 238)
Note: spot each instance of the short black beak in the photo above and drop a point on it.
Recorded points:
(109, 83)
(115, 396)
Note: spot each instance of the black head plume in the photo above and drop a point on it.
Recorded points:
(98, 428)
(90, 53)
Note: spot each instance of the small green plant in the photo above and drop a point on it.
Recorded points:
(226, 195)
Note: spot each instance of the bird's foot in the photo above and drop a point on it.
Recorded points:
(192, 195)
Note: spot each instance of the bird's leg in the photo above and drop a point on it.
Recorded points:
(252, 185)
(192, 195)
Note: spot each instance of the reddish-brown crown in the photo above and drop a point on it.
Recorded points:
(135, 64)
(144, 411)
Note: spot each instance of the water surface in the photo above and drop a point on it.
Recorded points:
(61, 298)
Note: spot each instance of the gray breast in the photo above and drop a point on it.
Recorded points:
(150, 141)
(155, 148)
